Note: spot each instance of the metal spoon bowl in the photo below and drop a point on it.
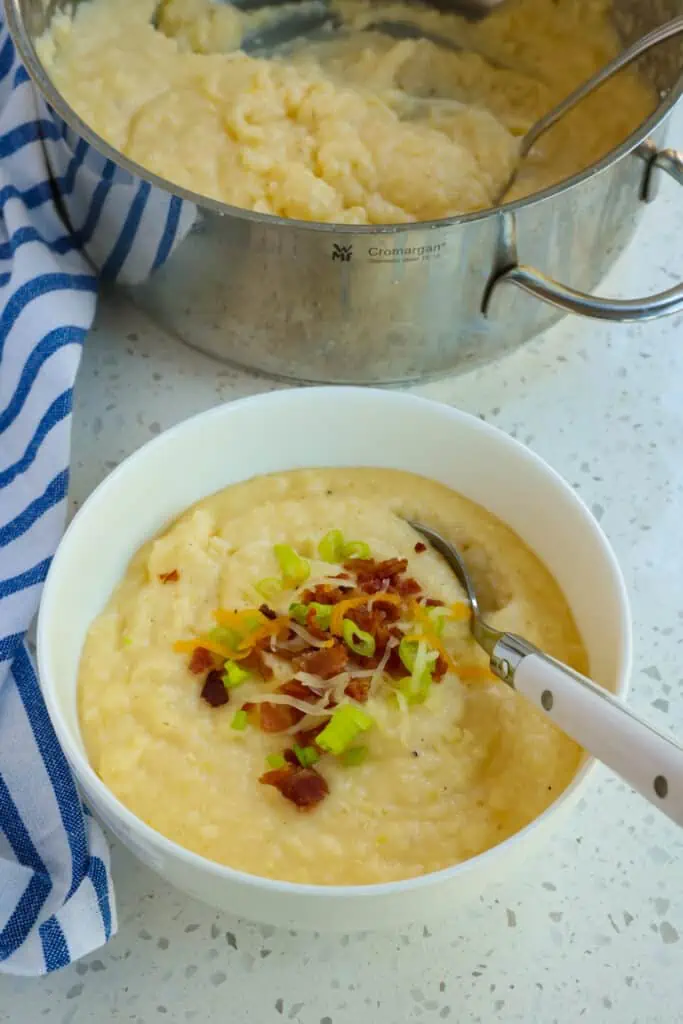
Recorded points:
(644, 757)
(628, 56)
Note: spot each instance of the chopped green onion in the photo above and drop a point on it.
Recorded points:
(356, 549)
(275, 761)
(299, 612)
(345, 724)
(437, 617)
(331, 547)
(234, 675)
(354, 756)
(306, 756)
(225, 637)
(407, 652)
(415, 688)
(357, 639)
(295, 570)
(240, 720)
(323, 614)
(269, 588)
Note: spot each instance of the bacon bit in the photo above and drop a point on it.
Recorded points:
(408, 587)
(256, 662)
(278, 717)
(290, 757)
(358, 690)
(371, 585)
(313, 627)
(431, 603)
(368, 567)
(307, 737)
(340, 610)
(323, 593)
(213, 691)
(440, 668)
(374, 621)
(169, 577)
(200, 661)
(389, 607)
(268, 613)
(420, 547)
(304, 787)
(295, 688)
(328, 662)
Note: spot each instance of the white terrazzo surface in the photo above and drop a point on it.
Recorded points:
(593, 928)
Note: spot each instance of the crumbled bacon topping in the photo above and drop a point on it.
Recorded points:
(169, 577)
(304, 787)
(326, 662)
(379, 598)
(324, 593)
(295, 688)
(307, 737)
(366, 568)
(313, 627)
(278, 717)
(407, 587)
(256, 662)
(358, 690)
(213, 691)
(201, 661)
(440, 668)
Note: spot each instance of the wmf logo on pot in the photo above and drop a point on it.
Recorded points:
(343, 253)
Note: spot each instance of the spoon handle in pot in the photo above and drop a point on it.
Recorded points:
(644, 757)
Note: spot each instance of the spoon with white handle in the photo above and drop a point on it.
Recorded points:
(647, 759)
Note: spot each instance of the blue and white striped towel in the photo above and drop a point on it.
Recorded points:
(56, 899)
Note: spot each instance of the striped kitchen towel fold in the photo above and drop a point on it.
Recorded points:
(56, 899)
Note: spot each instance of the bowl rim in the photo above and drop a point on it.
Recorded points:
(90, 780)
(26, 48)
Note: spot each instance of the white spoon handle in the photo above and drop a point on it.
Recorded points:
(648, 760)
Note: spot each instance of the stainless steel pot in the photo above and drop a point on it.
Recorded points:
(344, 304)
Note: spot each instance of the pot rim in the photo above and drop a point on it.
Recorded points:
(53, 97)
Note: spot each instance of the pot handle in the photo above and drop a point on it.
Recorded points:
(534, 282)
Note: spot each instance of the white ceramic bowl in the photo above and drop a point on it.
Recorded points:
(320, 427)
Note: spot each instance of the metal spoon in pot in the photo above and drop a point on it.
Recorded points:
(644, 757)
(658, 35)
(319, 22)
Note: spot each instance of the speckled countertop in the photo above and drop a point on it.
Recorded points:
(593, 927)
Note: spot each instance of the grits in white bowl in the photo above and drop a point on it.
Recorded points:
(445, 772)
(418, 777)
